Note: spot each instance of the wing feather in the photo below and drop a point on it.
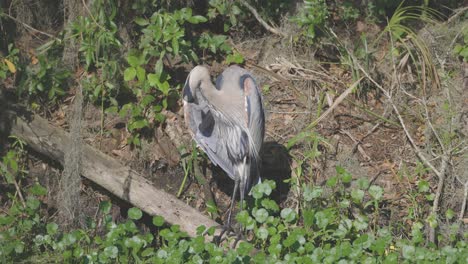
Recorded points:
(232, 136)
(216, 135)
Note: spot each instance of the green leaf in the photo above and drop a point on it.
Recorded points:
(138, 124)
(158, 221)
(270, 205)
(153, 79)
(52, 228)
(432, 220)
(376, 192)
(141, 21)
(357, 195)
(147, 252)
(197, 19)
(264, 188)
(363, 183)
(37, 189)
(175, 46)
(408, 251)
(288, 214)
(135, 213)
(164, 88)
(111, 252)
(360, 223)
(160, 117)
(261, 215)
(140, 73)
(242, 217)
(19, 247)
(129, 74)
(133, 61)
(449, 214)
(322, 218)
(105, 207)
(235, 58)
(423, 186)
(147, 100)
(158, 69)
(312, 193)
(332, 181)
(262, 233)
(33, 203)
(308, 216)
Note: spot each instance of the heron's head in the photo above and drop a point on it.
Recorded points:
(198, 78)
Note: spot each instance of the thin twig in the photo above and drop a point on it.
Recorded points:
(357, 143)
(281, 79)
(335, 104)
(286, 112)
(370, 131)
(457, 14)
(440, 173)
(29, 27)
(18, 190)
(440, 186)
(91, 15)
(260, 19)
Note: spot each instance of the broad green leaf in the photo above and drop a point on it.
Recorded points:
(141, 21)
(140, 73)
(105, 207)
(129, 74)
(153, 79)
(261, 215)
(52, 228)
(262, 233)
(37, 189)
(138, 124)
(133, 61)
(197, 19)
(135, 213)
(376, 192)
(175, 46)
(288, 214)
(158, 68)
(158, 221)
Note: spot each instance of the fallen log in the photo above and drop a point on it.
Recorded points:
(107, 172)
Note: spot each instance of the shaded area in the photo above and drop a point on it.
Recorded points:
(275, 166)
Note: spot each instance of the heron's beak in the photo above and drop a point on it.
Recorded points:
(187, 92)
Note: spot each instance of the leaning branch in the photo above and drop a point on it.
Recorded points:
(260, 19)
(29, 27)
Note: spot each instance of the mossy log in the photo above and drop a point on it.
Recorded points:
(107, 172)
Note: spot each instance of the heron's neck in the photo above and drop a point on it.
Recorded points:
(227, 102)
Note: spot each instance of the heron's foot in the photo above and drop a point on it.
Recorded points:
(228, 231)
(239, 236)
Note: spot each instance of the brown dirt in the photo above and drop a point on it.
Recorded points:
(383, 153)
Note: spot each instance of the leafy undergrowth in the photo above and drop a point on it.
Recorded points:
(139, 77)
(336, 223)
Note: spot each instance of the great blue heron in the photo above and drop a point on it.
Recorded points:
(227, 121)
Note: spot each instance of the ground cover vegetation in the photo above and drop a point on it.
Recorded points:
(365, 157)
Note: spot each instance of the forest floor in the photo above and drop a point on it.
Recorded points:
(359, 135)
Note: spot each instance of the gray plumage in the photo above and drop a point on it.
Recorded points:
(227, 121)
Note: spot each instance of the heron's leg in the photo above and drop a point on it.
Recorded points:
(241, 229)
(227, 226)
(233, 201)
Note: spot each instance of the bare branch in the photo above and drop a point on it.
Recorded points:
(29, 27)
(260, 19)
